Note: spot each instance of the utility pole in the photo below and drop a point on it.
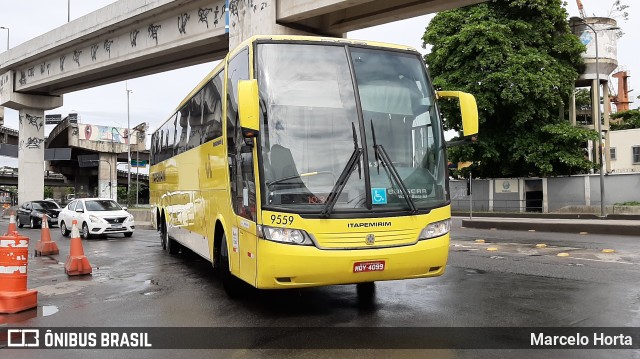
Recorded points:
(128, 149)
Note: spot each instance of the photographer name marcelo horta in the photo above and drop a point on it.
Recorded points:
(595, 340)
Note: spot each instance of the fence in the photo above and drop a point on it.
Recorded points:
(572, 194)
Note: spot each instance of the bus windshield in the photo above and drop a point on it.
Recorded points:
(319, 100)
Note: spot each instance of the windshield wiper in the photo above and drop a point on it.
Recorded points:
(381, 155)
(344, 176)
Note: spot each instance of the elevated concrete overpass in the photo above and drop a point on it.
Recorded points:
(99, 147)
(131, 38)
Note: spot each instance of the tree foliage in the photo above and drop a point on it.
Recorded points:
(626, 120)
(520, 60)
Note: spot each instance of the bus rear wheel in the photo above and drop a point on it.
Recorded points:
(162, 227)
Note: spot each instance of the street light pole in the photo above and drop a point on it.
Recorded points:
(128, 150)
(6, 28)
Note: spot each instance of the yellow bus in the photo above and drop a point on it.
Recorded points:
(308, 161)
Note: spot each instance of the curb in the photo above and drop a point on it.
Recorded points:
(562, 227)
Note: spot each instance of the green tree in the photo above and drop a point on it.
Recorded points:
(626, 120)
(520, 60)
(48, 192)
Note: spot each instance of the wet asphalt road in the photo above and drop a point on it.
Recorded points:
(136, 284)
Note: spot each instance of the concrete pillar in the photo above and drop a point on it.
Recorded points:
(60, 193)
(82, 187)
(31, 135)
(587, 190)
(246, 20)
(31, 155)
(607, 110)
(1, 116)
(107, 176)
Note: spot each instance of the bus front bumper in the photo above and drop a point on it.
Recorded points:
(291, 266)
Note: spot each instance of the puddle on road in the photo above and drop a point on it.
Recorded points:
(474, 271)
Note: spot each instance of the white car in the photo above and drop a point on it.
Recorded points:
(96, 216)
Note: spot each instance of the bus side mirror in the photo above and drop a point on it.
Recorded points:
(468, 109)
(248, 107)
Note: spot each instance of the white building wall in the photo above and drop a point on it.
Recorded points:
(624, 141)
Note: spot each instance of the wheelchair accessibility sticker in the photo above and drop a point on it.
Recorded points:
(379, 195)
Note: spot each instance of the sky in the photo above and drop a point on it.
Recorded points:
(155, 97)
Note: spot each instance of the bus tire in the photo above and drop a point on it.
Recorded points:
(172, 246)
(164, 235)
(232, 285)
(366, 292)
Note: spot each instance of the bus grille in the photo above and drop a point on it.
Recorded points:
(358, 239)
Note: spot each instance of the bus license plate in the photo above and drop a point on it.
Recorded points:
(373, 266)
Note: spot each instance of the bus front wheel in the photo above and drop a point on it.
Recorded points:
(232, 285)
(366, 292)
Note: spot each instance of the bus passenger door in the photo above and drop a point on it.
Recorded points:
(241, 171)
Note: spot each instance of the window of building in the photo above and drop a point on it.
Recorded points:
(613, 153)
(635, 154)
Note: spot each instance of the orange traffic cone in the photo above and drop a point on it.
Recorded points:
(45, 245)
(12, 224)
(14, 296)
(77, 262)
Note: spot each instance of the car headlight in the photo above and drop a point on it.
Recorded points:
(436, 229)
(95, 219)
(130, 218)
(285, 235)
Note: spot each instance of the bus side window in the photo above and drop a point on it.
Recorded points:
(212, 108)
(242, 178)
(182, 127)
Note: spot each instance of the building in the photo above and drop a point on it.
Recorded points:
(625, 151)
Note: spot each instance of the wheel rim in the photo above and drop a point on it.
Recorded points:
(85, 231)
(32, 222)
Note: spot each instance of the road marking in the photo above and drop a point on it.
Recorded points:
(492, 248)
(563, 254)
(608, 250)
(541, 245)
(480, 241)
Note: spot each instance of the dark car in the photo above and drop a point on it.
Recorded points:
(31, 213)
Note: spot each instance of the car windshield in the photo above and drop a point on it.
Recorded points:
(102, 205)
(315, 116)
(44, 205)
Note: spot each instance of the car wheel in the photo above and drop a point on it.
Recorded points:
(63, 229)
(85, 231)
(18, 223)
(128, 234)
(233, 286)
(33, 223)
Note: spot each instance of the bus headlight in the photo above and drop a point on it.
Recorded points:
(436, 229)
(285, 235)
